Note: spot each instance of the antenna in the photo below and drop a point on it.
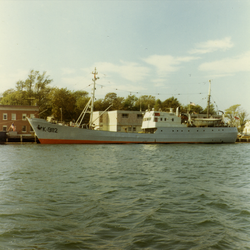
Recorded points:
(208, 99)
(93, 98)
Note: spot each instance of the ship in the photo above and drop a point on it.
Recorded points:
(157, 127)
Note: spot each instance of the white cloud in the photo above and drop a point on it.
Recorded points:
(228, 65)
(166, 64)
(128, 70)
(212, 45)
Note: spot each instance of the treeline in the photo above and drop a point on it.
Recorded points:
(36, 90)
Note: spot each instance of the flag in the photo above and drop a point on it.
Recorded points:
(237, 118)
(191, 103)
(13, 127)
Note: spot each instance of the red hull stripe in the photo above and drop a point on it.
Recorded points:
(60, 141)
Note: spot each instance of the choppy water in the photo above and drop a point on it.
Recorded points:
(125, 196)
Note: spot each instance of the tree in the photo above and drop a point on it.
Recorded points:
(81, 98)
(11, 97)
(211, 110)
(158, 105)
(145, 102)
(112, 98)
(33, 91)
(192, 109)
(62, 102)
(131, 103)
(170, 103)
(236, 116)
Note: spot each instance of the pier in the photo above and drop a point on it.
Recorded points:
(14, 138)
(243, 139)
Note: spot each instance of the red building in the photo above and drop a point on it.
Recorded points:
(13, 118)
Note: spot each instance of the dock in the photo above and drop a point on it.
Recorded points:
(243, 139)
(14, 138)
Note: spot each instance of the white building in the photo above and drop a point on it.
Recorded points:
(246, 130)
(118, 120)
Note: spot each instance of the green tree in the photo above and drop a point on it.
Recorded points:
(192, 109)
(145, 102)
(11, 97)
(211, 110)
(112, 98)
(131, 103)
(62, 102)
(236, 116)
(33, 91)
(171, 102)
(158, 105)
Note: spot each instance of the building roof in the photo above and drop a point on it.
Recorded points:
(19, 107)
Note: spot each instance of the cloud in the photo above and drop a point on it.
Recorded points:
(212, 45)
(166, 64)
(228, 65)
(128, 70)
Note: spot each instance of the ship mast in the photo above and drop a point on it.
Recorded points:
(208, 99)
(93, 98)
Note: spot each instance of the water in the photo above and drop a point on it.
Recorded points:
(125, 196)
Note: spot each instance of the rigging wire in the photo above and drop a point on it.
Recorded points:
(144, 93)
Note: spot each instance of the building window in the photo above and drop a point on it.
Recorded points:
(134, 129)
(172, 119)
(32, 116)
(13, 117)
(23, 117)
(129, 128)
(5, 117)
(165, 119)
(4, 128)
(101, 118)
(24, 129)
(118, 128)
(156, 119)
(139, 116)
(124, 115)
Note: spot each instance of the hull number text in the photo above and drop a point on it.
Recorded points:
(47, 129)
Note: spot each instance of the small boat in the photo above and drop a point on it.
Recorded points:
(157, 127)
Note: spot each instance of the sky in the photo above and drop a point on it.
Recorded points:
(160, 48)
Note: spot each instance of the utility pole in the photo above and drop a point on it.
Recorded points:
(61, 114)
